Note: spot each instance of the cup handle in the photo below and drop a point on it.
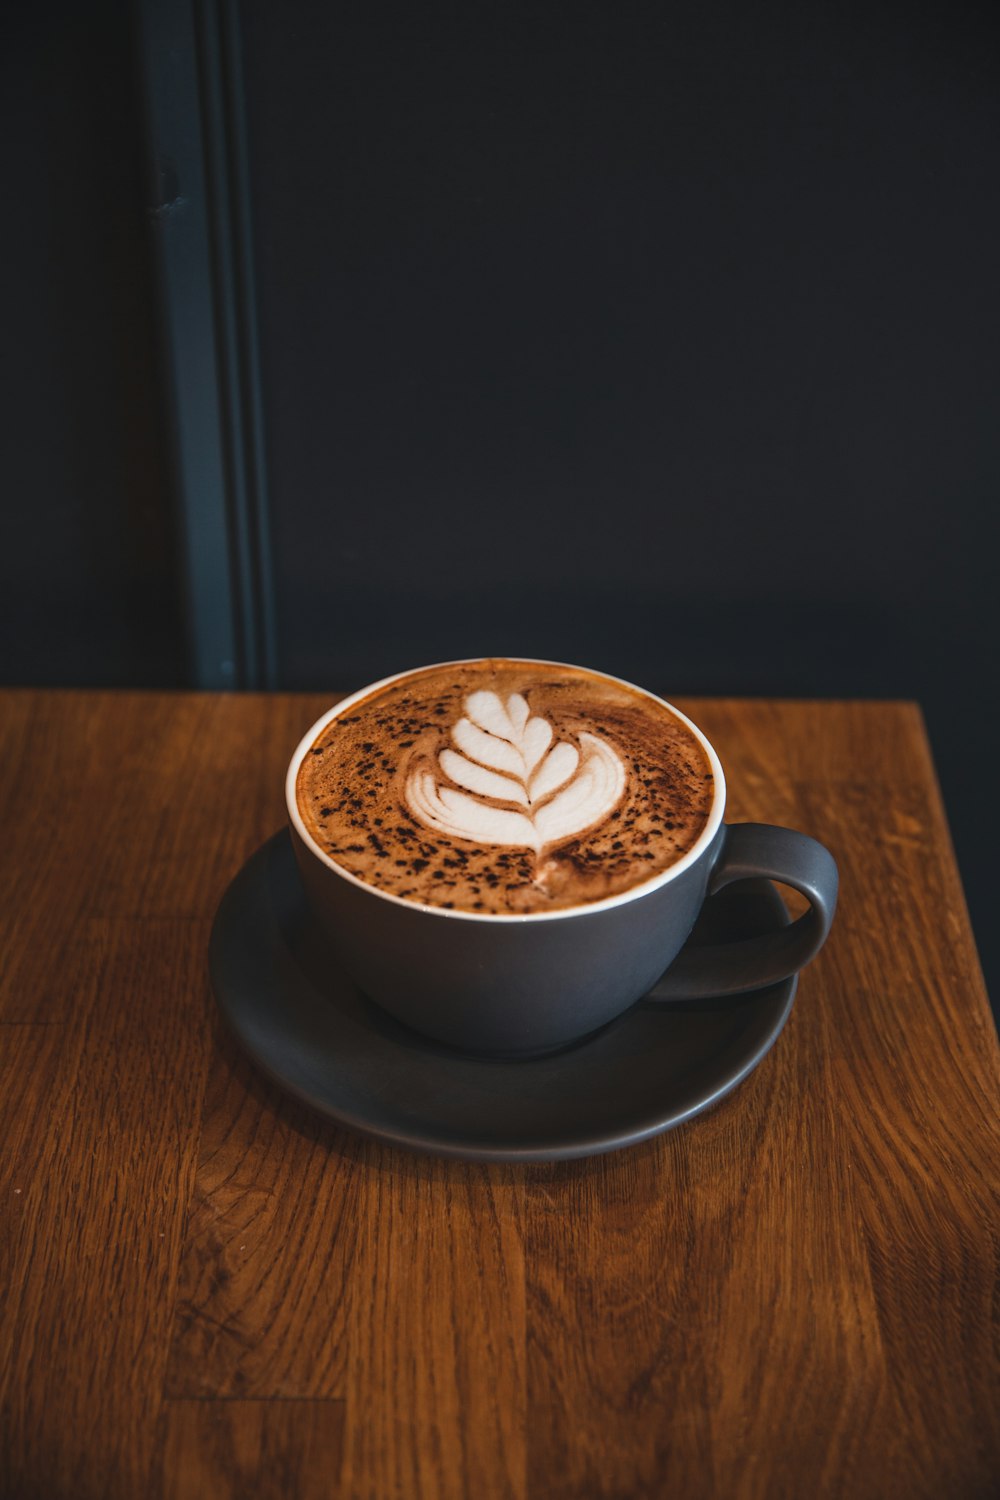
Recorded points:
(752, 850)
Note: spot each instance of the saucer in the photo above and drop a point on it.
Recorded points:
(306, 1025)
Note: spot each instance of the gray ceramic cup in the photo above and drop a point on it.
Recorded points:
(518, 986)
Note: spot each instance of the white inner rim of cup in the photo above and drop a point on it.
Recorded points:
(633, 893)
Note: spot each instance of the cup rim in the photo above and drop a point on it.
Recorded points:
(584, 908)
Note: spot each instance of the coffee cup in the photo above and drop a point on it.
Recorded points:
(508, 854)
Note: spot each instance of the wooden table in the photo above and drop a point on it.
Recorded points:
(205, 1290)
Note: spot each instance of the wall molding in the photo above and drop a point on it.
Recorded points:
(201, 218)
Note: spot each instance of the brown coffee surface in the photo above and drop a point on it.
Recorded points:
(411, 787)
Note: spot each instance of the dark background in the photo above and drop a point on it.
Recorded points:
(659, 338)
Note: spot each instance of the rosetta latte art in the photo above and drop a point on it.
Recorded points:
(507, 783)
(504, 787)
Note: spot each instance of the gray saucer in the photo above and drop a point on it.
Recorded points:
(304, 1023)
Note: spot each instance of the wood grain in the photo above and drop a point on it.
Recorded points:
(438, 1331)
(94, 1196)
(276, 1189)
(206, 1290)
(272, 1450)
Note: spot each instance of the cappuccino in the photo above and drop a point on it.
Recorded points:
(505, 787)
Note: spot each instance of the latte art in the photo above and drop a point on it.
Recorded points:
(506, 756)
(504, 787)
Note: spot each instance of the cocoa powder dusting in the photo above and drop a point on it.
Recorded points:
(352, 791)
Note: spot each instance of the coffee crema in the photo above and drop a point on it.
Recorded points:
(505, 787)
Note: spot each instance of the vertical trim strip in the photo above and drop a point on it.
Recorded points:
(193, 72)
(257, 500)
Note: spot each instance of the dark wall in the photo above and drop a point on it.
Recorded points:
(663, 337)
(88, 583)
(660, 338)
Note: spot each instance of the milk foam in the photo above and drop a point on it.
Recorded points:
(547, 792)
(504, 787)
